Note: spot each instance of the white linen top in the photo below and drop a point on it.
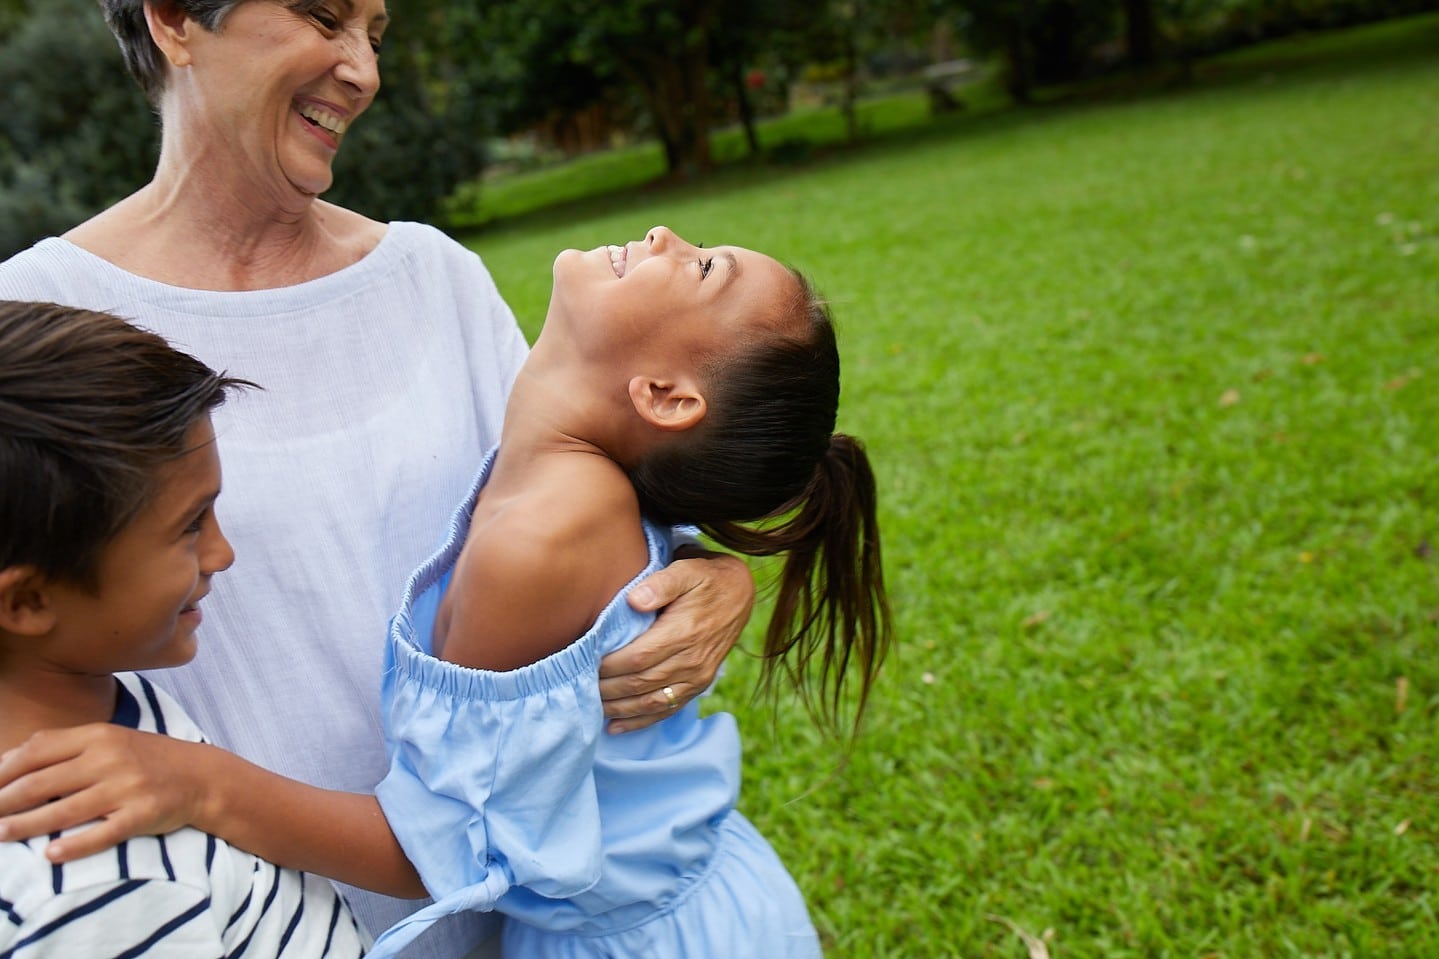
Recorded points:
(384, 384)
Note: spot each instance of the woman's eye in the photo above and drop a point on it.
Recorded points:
(325, 18)
(706, 266)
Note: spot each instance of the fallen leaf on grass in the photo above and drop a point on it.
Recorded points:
(1229, 398)
(1034, 619)
(1037, 947)
(1401, 381)
(1401, 693)
(1402, 828)
(1312, 359)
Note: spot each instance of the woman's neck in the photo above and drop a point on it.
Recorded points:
(191, 228)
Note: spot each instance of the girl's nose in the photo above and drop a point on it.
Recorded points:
(659, 238)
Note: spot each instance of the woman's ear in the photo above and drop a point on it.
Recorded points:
(667, 404)
(25, 607)
(171, 30)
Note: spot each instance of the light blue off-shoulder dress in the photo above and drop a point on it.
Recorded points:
(507, 795)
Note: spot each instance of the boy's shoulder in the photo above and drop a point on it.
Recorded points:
(142, 705)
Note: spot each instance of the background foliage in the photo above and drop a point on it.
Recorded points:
(463, 74)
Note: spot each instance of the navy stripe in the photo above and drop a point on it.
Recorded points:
(165, 858)
(122, 859)
(198, 909)
(57, 871)
(124, 889)
(10, 912)
(154, 702)
(294, 920)
(269, 900)
(235, 917)
(127, 710)
(209, 852)
(334, 921)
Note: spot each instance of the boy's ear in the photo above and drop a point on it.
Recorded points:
(171, 29)
(672, 405)
(25, 607)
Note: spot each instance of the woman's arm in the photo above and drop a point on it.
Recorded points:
(705, 600)
(131, 783)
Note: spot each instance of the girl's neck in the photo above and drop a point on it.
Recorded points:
(32, 701)
(556, 409)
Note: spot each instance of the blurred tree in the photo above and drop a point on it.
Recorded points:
(75, 135)
(425, 133)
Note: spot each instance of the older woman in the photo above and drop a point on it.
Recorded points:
(386, 354)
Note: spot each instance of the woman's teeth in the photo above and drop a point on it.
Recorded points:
(323, 118)
(618, 256)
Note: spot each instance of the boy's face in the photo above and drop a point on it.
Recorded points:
(152, 576)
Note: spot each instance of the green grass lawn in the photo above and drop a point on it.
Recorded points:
(1152, 387)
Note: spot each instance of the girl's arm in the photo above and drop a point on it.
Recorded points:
(130, 783)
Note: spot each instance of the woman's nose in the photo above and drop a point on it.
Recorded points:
(359, 66)
(659, 239)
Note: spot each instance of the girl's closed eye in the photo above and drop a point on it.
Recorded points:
(706, 266)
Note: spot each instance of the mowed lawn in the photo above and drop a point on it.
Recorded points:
(1152, 387)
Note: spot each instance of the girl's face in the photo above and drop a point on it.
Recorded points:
(273, 90)
(664, 299)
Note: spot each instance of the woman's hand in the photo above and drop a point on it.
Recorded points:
(128, 783)
(705, 600)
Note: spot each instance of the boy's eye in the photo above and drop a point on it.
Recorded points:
(198, 522)
(706, 266)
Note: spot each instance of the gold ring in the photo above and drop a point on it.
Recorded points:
(670, 695)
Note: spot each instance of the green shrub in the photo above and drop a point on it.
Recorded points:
(76, 134)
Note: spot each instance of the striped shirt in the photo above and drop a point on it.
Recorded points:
(184, 894)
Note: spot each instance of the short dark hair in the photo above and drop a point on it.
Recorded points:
(766, 451)
(90, 408)
(126, 20)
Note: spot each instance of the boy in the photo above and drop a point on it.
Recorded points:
(108, 540)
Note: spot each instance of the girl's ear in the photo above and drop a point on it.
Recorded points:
(667, 404)
(25, 607)
(171, 30)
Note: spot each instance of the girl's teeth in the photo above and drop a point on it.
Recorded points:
(617, 260)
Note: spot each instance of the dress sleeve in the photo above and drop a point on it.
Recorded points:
(491, 782)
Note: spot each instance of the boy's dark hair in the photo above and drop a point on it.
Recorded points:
(767, 451)
(90, 408)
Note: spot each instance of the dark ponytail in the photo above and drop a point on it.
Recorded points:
(831, 612)
(766, 474)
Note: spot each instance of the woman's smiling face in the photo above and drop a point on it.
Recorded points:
(277, 85)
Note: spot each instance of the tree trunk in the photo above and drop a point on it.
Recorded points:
(677, 93)
(1141, 32)
(1020, 79)
(746, 108)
